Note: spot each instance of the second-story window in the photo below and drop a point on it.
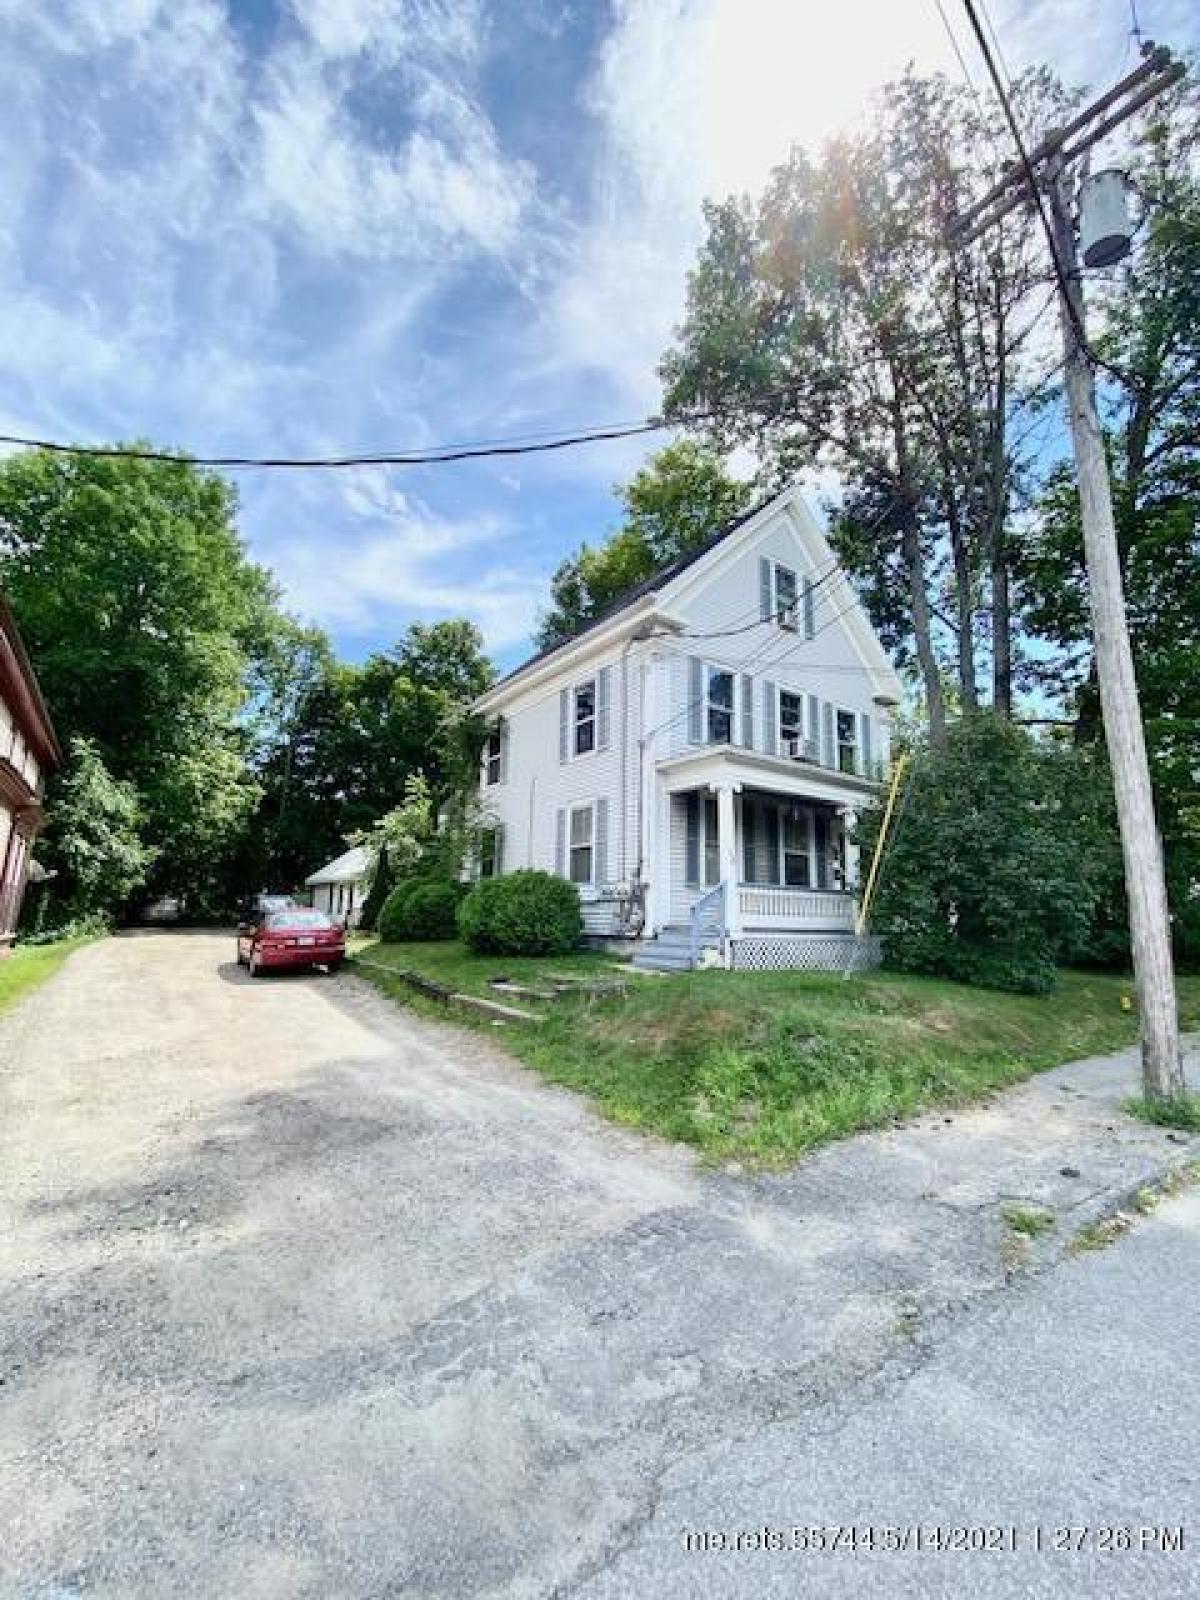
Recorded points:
(493, 758)
(585, 717)
(791, 723)
(719, 706)
(847, 741)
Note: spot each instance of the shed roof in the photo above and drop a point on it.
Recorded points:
(347, 868)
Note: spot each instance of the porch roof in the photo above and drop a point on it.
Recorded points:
(713, 765)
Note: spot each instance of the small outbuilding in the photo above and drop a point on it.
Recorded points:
(340, 887)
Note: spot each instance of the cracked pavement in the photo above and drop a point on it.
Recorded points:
(301, 1294)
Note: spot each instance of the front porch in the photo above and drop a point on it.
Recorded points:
(759, 877)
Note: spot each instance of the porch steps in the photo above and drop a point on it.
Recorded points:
(669, 951)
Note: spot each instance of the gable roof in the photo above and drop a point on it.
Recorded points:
(346, 868)
(20, 690)
(656, 580)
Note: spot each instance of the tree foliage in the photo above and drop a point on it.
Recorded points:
(95, 844)
(141, 613)
(1000, 860)
(831, 323)
(680, 499)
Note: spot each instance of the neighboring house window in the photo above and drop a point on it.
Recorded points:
(791, 723)
(581, 864)
(493, 753)
(847, 741)
(797, 866)
(786, 610)
(585, 717)
(719, 706)
(489, 853)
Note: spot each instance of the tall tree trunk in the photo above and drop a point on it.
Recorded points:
(931, 678)
(965, 613)
(1001, 631)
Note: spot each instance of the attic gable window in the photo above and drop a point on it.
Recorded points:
(785, 598)
(585, 717)
(786, 592)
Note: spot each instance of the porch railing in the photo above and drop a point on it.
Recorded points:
(823, 908)
(707, 922)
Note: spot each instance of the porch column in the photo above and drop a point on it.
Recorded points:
(852, 851)
(727, 851)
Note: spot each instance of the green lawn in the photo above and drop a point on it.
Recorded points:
(763, 1066)
(28, 965)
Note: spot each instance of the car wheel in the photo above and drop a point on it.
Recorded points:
(333, 967)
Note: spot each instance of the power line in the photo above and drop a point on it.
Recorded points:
(1034, 189)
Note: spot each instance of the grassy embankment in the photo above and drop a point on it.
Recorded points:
(29, 965)
(763, 1066)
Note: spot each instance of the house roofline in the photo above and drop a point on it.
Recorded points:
(18, 680)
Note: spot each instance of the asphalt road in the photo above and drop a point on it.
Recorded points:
(303, 1296)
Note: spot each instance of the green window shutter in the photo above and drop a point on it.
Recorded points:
(504, 752)
(603, 696)
(691, 869)
(771, 814)
(809, 598)
(867, 758)
(812, 730)
(770, 720)
(695, 700)
(747, 711)
(766, 601)
(564, 723)
(828, 743)
(560, 843)
(750, 840)
(600, 874)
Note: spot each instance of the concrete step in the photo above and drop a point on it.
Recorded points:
(661, 961)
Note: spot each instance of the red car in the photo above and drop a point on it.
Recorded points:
(293, 936)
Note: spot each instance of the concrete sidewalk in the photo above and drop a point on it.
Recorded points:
(301, 1294)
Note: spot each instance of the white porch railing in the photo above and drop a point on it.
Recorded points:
(768, 905)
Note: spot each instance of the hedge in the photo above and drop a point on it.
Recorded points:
(522, 913)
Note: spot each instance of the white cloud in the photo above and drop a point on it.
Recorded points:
(407, 560)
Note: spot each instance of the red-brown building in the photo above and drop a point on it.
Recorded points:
(28, 752)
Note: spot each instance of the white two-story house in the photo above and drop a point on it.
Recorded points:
(693, 760)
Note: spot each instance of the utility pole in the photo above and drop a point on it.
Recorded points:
(1048, 168)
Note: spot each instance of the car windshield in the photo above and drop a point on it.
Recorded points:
(274, 902)
(298, 918)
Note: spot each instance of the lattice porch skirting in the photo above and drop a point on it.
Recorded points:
(805, 952)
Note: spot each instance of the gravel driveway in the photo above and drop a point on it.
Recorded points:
(303, 1296)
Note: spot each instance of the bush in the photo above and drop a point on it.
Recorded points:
(997, 866)
(521, 914)
(421, 908)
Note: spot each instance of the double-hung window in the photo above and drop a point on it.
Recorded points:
(791, 723)
(581, 863)
(847, 741)
(718, 706)
(489, 853)
(786, 596)
(493, 764)
(585, 717)
(797, 864)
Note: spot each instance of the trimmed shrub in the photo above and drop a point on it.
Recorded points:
(421, 908)
(523, 913)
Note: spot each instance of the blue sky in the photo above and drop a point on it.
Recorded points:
(305, 226)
